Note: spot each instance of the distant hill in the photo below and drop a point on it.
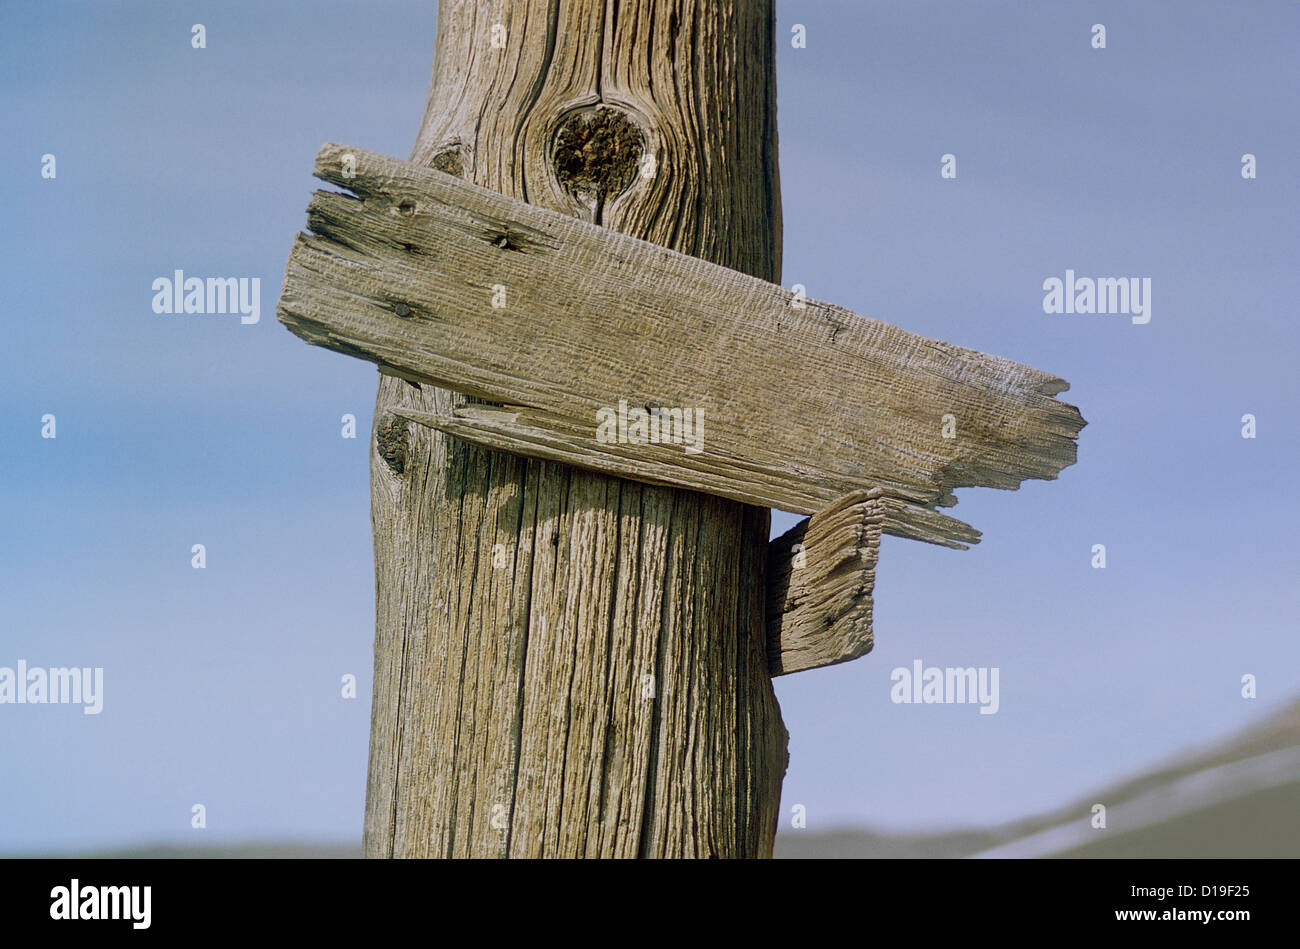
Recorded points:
(1237, 798)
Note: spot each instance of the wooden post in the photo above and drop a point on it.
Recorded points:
(566, 663)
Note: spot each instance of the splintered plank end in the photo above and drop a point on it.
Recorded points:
(821, 574)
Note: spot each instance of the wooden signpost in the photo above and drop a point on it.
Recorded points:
(579, 433)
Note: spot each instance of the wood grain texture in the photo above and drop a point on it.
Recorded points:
(442, 282)
(567, 663)
(820, 578)
(511, 429)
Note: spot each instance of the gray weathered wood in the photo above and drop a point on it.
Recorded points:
(820, 577)
(800, 406)
(508, 429)
(567, 663)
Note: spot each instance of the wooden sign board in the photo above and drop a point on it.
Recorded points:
(801, 402)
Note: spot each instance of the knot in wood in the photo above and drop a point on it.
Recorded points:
(391, 441)
(596, 154)
(449, 162)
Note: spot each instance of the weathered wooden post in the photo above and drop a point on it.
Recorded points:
(566, 663)
(577, 618)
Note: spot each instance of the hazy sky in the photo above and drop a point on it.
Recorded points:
(222, 684)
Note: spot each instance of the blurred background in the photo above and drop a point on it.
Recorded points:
(222, 686)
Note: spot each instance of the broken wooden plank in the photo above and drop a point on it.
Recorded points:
(800, 404)
(820, 577)
(515, 430)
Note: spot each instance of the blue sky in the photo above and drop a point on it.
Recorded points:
(221, 685)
